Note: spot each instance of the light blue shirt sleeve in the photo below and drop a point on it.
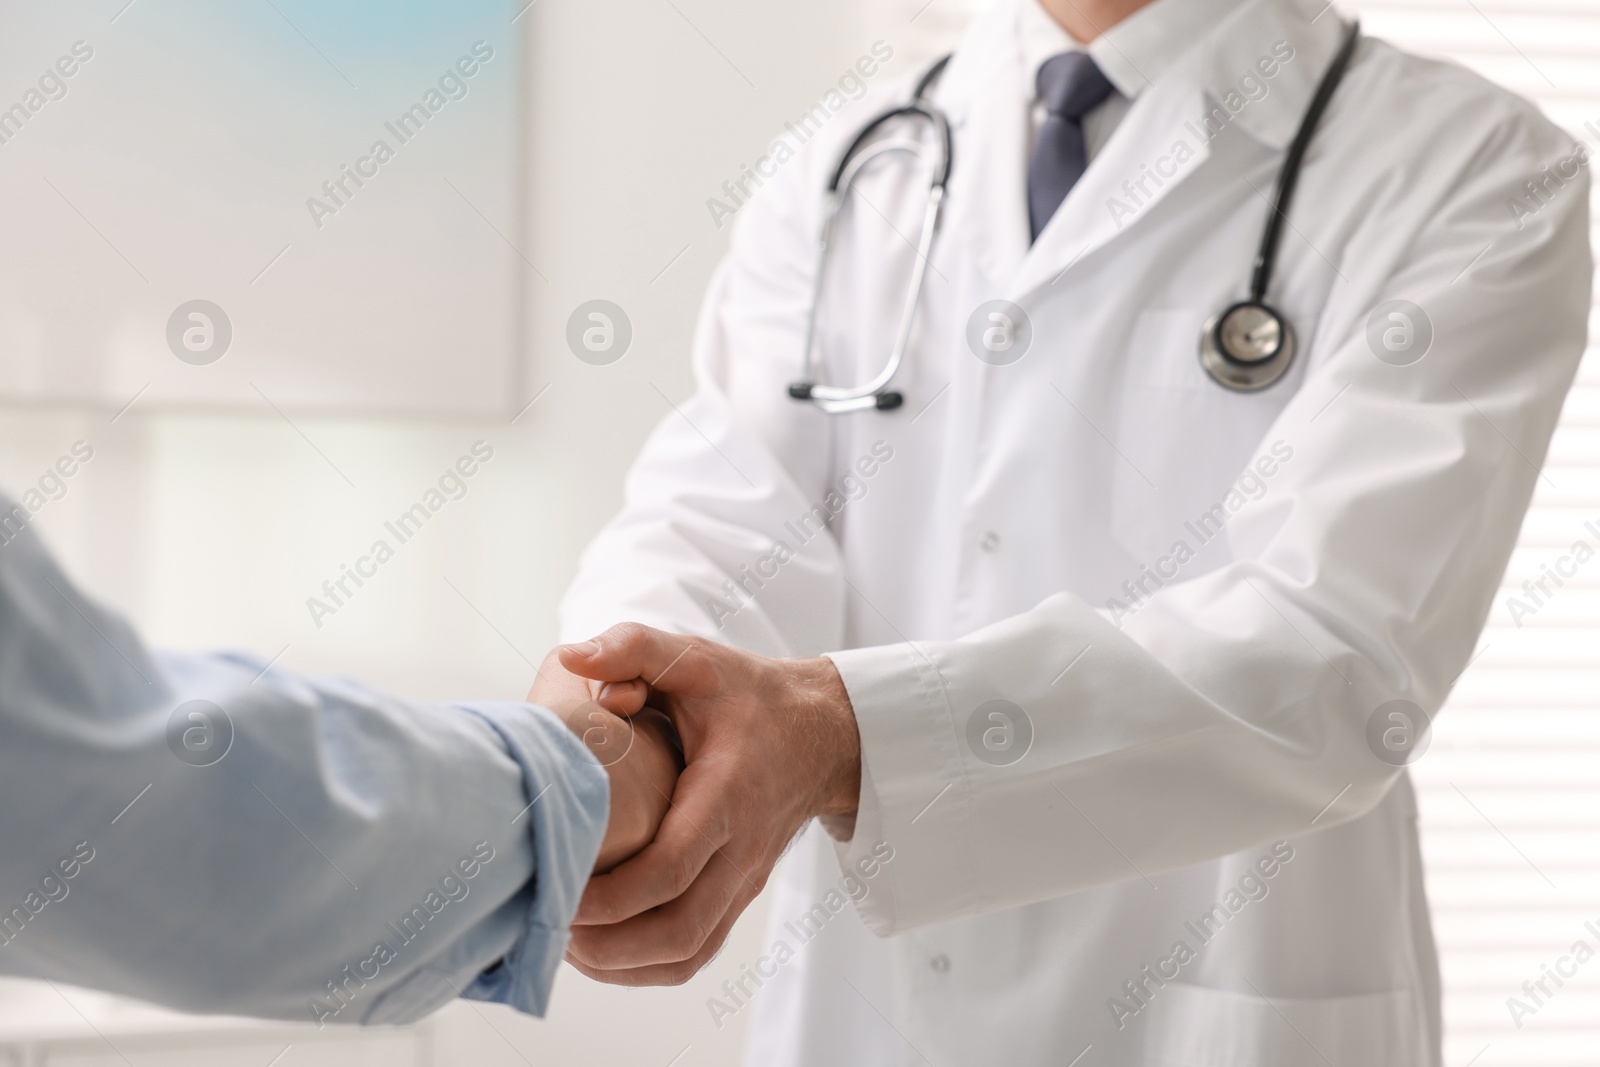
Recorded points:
(210, 833)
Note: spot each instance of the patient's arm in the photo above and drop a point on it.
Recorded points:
(218, 834)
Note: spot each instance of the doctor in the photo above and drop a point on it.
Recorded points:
(1123, 663)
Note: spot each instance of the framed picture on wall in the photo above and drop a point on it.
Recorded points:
(316, 205)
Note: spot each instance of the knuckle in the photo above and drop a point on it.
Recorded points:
(705, 934)
(714, 948)
(719, 821)
(686, 941)
(624, 635)
(681, 873)
(727, 896)
(676, 974)
(598, 907)
(579, 954)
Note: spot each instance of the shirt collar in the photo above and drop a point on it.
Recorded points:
(1139, 50)
(1133, 53)
(1042, 37)
(1219, 45)
(1294, 40)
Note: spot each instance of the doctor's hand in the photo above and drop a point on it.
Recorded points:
(769, 744)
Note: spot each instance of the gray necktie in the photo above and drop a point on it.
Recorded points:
(1071, 86)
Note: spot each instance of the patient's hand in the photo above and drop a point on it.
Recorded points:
(638, 748)
(642, 757)
(562, 691)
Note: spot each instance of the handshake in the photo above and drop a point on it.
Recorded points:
(717, 759)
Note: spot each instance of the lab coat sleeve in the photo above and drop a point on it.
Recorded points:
(215, 834)
(1233, 709)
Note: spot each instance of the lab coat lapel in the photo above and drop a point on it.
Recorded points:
(1164, 140)
(986, 94)
(1154, 150)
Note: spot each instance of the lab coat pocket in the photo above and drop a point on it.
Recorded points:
(1164, 352)
(1192, 1026)
(1182, 440)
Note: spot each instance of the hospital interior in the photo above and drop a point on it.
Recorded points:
(239, 344)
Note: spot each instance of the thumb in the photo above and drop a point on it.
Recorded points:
(632, 650)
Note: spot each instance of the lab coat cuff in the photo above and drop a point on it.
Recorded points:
(913, 809)
(569, 800)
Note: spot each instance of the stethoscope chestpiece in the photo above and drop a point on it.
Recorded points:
(1246, 346)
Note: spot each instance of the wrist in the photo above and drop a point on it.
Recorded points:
(604, 735)
(642, 760)
(616, 844)
(838, 739)
(624, 821)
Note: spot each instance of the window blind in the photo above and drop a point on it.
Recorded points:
(1510, 790)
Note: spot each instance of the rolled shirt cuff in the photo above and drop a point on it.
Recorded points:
(569, 798)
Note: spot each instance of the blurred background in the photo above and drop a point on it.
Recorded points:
(354, 338)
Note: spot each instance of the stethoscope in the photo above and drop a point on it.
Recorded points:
(1245, 346)
(835, 399)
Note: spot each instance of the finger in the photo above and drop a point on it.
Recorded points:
(632, 650)
(672, 933)
(658, 729)
(621, 698)
(694, 827)
(669, 973)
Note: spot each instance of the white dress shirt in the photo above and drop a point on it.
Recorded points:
(1131, 54)
(1043, 38)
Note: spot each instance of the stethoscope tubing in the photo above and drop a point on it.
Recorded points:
(873, 388)
(1229, 352)
(873, 394)
(1289, 173)
(1229, 369)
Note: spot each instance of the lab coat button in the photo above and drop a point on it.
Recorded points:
(940, 963)
(989, 541)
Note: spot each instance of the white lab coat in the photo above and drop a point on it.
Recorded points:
(1179, 733)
